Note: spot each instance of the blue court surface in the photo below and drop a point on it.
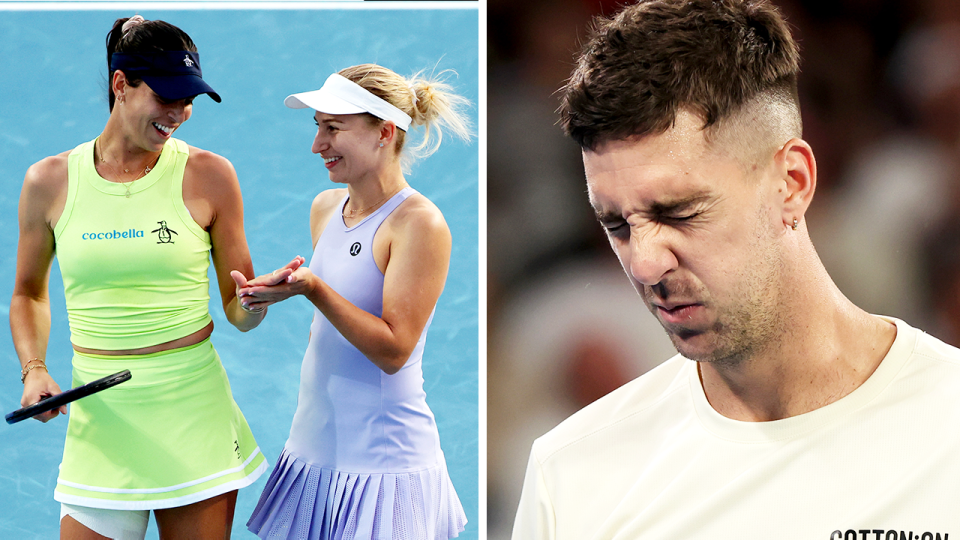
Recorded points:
(53, 95)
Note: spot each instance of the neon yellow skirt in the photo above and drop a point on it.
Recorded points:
(170, 436)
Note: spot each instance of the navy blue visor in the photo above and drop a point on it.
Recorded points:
(171, 75)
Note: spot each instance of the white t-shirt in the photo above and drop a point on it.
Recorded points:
(654, 460)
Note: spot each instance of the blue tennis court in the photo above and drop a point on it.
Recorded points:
(53, 68)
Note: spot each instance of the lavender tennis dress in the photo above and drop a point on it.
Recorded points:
(363, 459)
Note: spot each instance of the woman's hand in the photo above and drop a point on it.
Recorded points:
(37, 385)
(258, 293)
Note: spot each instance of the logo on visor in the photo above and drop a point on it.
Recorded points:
(187, 61)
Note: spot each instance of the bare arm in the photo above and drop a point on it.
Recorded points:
(212, 193)
(44, 189)
(418, 255)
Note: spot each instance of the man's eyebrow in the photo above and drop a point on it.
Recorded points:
(658, 208)
(606, 216)
(676, 205)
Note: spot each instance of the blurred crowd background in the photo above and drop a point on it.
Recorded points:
(880, 91)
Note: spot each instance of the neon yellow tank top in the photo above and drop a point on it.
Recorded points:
(134, 268)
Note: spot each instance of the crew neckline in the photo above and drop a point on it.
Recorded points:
(795, 426)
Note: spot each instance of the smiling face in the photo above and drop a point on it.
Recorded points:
(349, 145)
(151, 119)
(698, 232)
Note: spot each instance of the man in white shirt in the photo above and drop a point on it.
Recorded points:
(789, 413)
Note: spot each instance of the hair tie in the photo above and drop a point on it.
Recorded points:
(131, 23)
(413, 93)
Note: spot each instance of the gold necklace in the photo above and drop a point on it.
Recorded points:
(355, 213)
(126, 185)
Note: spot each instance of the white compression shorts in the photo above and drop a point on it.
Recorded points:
(115, 524)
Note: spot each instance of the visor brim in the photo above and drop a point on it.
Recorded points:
(174, 87)
(320, 100)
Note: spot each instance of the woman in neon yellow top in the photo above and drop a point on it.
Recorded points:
(134, 217)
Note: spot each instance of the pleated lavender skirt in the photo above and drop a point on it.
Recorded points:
(305, 502)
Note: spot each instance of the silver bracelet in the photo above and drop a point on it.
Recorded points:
(251, 311)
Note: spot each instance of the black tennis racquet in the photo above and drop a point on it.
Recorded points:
(52, 402)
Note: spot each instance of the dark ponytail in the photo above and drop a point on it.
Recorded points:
(147, 36)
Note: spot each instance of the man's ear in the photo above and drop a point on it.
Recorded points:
(797, 169)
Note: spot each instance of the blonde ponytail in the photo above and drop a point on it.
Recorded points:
(430, 102)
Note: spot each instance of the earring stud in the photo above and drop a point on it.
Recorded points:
(795, 223)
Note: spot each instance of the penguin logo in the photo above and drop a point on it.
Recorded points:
(355, 249)
(164, 233)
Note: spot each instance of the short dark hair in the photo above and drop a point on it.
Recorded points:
(642, 66)
(148, 36)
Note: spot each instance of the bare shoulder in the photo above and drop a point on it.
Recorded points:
(45, 188)
(210, 166)
(418, 216)
(325, 205)
(210, 188)
(327, 200)
(48, 173)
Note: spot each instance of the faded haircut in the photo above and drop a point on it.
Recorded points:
(715, 58)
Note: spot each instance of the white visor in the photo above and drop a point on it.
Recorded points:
(340, 95)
